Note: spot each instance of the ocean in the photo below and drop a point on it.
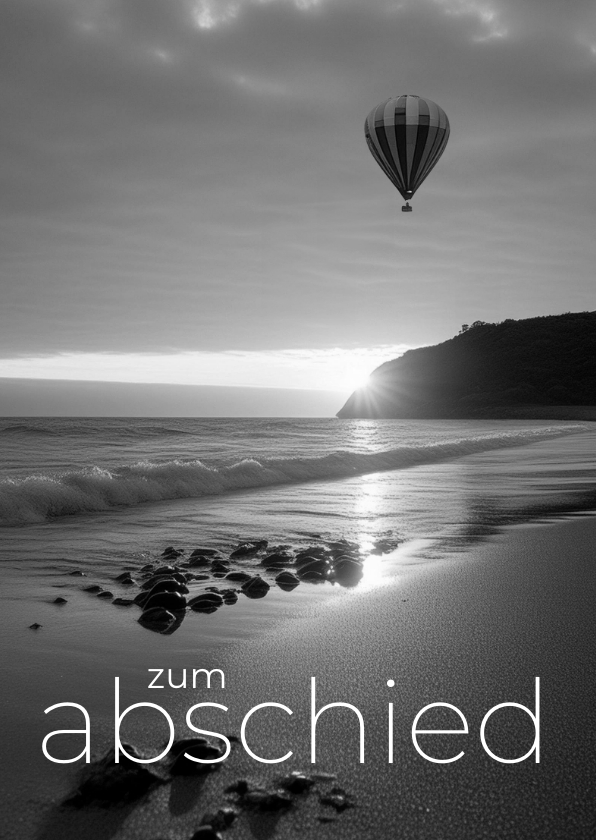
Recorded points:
(108, 490)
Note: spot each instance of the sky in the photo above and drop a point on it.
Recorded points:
(186, 195)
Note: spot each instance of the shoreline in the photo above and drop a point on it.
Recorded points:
(474, 630)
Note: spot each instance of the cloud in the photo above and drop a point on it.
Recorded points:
(171, 186)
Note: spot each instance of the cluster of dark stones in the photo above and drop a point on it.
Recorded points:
(338, 562)
(106, 784)
(163, 594)
(284, 791)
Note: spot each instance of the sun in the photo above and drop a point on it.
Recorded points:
(353, 378)
(360, 381)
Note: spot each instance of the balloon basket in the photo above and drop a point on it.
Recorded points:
(406, 209)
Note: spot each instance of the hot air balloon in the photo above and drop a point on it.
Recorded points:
(406, 136)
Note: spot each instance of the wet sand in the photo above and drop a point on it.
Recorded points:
(473, 631)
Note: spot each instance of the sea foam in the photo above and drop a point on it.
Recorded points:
(38, 497)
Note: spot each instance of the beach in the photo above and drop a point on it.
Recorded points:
(473, 632)
(469, 613)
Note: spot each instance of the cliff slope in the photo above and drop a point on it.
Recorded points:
(489, 370)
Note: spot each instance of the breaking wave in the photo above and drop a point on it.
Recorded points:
(39, 497)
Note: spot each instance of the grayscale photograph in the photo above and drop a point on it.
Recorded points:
(298, 419)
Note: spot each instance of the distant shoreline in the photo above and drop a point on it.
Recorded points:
(514, 412)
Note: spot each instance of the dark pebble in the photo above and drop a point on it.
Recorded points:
(278, 559)
(77, 573)
(240, 786)
(317, 569)
(60, 601)
(220, 566)
(287, 581)
(35, 626)
(199, 560)
(206, 832)
(206, 602)
(171, 601)
(199, 748)
(148, 567)
(296, 782)
(221, 819)
(214, 597)
(337, 799)
(157, 618)
(313, 551)
(158, 578)
(353, 558)
(170, 553)
(347, 572)
(105, 594)
(170, 585)
(123, 602)
(247, 548)
(204, 552)
(94, 588)
(312, 576)
(318, 564)
(165, 570)
(238, 576)
(163, 585)
(256, 587)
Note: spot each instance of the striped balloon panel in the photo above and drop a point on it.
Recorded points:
(406, 136)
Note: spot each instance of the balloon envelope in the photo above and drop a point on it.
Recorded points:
(406, 136)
